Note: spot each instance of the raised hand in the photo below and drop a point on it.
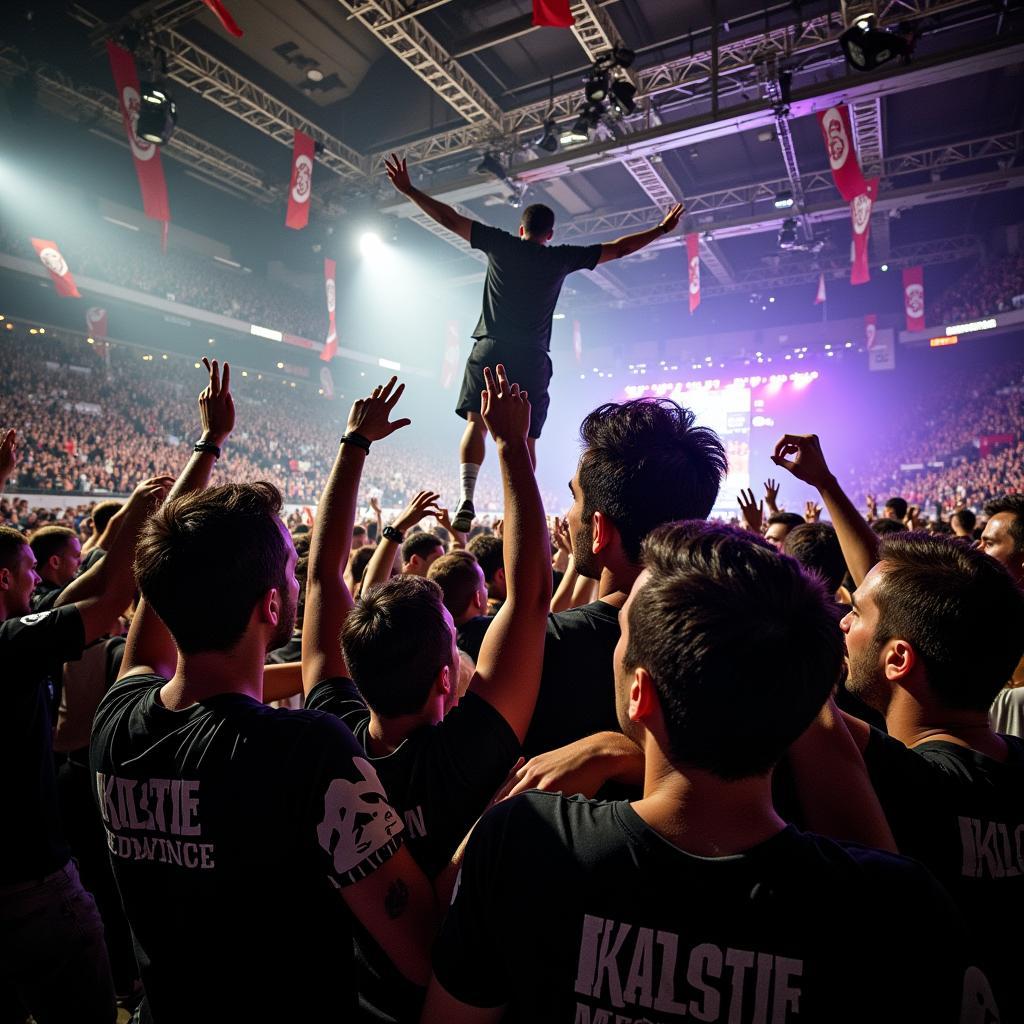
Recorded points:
(801, 455)
(423, 504)
(398, 174)
(671, 219)
(812, 512)
(371, 417)
(216, 406)
(753, 511)
(149, 494)
(560, 534)
(872, 507)
(771, 495)
(505, 409)
(375, 506)
(8, 454)
(912, 520)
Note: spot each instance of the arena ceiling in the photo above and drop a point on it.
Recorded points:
(726, 93)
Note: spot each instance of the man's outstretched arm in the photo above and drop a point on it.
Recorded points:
(629, 244)
(441, 212)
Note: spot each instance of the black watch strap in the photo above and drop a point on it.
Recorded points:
(207, 446)
(358, 440)
(392, 534)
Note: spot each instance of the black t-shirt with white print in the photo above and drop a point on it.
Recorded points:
(32, 650)
(231, 828)
(577, 912)
(439, 780)
(961, 814)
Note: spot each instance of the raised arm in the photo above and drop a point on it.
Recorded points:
(328, 600)
(801, 455)
(509, 667)
(150, 647)
(434, 208)
(629, 244)
(378, 569)
(8, 457)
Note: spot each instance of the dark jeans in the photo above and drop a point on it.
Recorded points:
(52, 952)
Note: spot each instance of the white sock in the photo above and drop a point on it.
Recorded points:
(468, 472)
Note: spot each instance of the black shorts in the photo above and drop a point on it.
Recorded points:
(530, 368)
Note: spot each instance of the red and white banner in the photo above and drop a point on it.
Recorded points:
(450, 361)
(870, 330)
(331, 344)
(146, 155)
(693, 269)
(842, 157)
(860, 217)
(96, 322)
(224, 17)
(913, 297)
(553, 13)
(880, 343)
(577, 340)
(50, 257)
(821, 295)
(300, 191)
(327, 381)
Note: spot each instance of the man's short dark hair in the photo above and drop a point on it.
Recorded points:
(1013, 504)
(206, 559)
(967, 519)
(458, 576)
(644, 463)
(718, 601)
(103, 513)
(11, 543)
(358, 531)
(816, 547)
(790, 519)
(538, 220)
(48, 541)
(396, 640)
(421, 543)
(899, 506)
(958, 608)
(489, 551)
(888, 527)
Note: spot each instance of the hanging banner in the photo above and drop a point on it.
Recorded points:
(553, 13)
(50, 257)
(331, 344)
(842, 158)
(693, 269)
(224, 17)
(146, 155)
(860, 217)
(96, 322)
(577, 340)
(821, 295)
(300, 191)
(880, 343)
(327, 381)
(913, 297)
(450, 362)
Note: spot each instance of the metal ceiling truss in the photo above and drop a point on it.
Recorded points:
(408, 40)
(86, 104)
(866, 116)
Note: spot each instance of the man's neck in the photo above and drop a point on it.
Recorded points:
(913, 723)
(616, 582)
(386, 735)
(703, 814)
(210, 674)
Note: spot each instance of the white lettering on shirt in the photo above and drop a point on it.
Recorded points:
(991, 849)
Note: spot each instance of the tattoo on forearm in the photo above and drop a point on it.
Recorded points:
(397, 899)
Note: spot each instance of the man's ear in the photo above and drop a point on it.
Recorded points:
(605, 532)
(898, 660)
(270, 607)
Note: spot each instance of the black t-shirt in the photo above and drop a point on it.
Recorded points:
(523, 282)
(962, 815)
(577, 686)
(290, 653)
(576, 910)
(30, 647)
(470, 635)
(439, 780)
(45, 596)
(231, 827)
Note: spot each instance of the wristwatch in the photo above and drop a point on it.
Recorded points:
(392, 534)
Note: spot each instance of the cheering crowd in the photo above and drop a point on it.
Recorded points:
(805, 812)
(996, 286)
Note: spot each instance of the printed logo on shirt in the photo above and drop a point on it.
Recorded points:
(35, 618)
(623, 966)
(991, 849)
(358, 820)
(164, 811)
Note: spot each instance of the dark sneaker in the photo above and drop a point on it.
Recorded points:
(464, 516)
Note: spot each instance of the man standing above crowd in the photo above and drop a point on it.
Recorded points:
(524, 280)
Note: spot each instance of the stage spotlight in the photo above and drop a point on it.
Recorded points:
(783, 200)
(370, 244)
(548, 141)
(866, 46)
(158, 116)
(492, 165)
(580, 131)
(787, 234)
(596, 89)
(622, 93)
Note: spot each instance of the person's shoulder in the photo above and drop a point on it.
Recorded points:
(123, 695)
(40, 627)
(539, 818)
(596, 616)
